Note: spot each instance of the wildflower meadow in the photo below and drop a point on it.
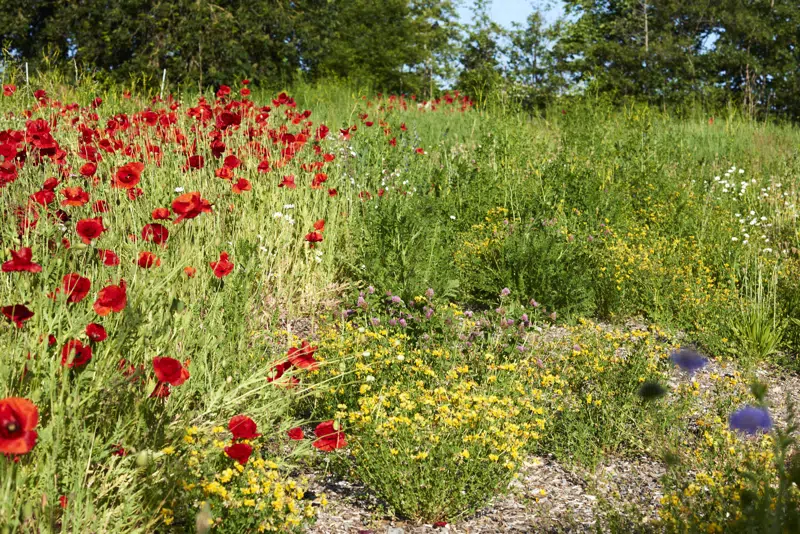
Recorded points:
(220, 308)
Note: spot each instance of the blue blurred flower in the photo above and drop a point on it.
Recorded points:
(689, 360)
(751, 420)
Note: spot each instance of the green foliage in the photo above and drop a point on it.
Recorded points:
(211, 42)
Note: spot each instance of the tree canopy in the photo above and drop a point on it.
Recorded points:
(670, 52)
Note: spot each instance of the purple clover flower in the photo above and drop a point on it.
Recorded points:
(505, 292)
(689, 360)
(429, 293)
(751, 420)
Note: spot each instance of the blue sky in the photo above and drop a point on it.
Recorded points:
(505, 12)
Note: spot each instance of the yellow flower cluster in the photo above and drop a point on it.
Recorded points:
(255, 497)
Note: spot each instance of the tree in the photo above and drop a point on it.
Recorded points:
(531, 67)
(755, 57)
(644, 48)
(480, 75)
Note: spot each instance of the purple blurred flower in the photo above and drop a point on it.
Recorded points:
(505, 292)
(689, 360)
(534, 303)
(392, 322)
(522, 348)
(361, 302)
(396, 300)
(428, 312)
(751, 420)
(371, 290)
(403, 323)
(376, 321)
(468, 314)
(429, 293)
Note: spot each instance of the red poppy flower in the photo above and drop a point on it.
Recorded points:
(303, 357)
(96, 332)
(295, 433)
(18, 418)
(190, 271)
(244, 91)
(21, 261)
(90, 229)
(328, 437)
(100, 206)
(242, 427)
(75, 196)
(242, 185)
(119, 450)
(76, 287)
(225, 173)
(9, 89)
(223, 267)
(319, 225)
(231, 162)
(288, 182)
(332, 192)
(170, 371)
(328, 157)
(88, 169)
(135, 193)
(147, 260)
(313, 237)
(240, 452)
(128, 176)
(196, 162)
(189, 206)
(108, 257)
(161, 214)
(111, 298)
(44, 197)
(278, 370)
(223, 90)
(82, 354)
(62, 501)
(17, 314)
(156, 233)
(161, 391)
(51, 183)
(319, 179)
(264, 166)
